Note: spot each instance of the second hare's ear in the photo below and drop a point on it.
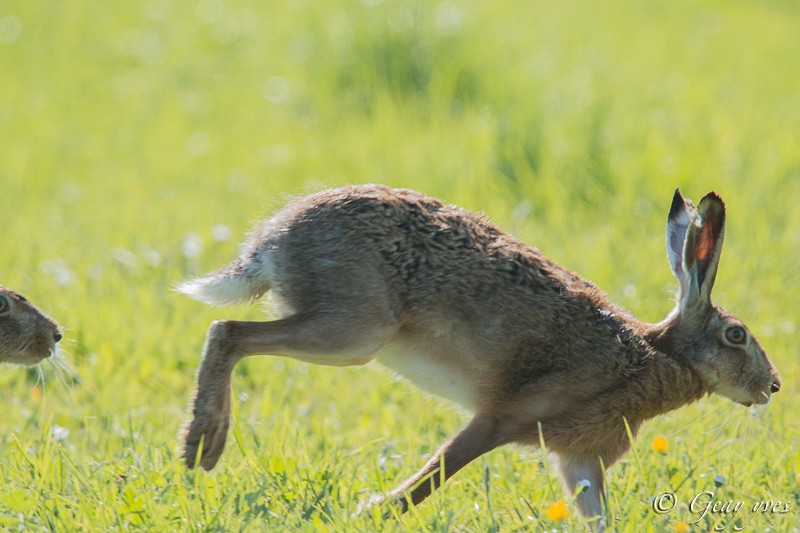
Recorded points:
(682, 213)
(702, 251)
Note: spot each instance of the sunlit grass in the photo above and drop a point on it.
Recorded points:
(133, 134)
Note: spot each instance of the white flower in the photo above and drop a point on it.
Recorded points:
(192, 245)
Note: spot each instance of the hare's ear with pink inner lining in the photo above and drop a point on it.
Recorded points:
(701, 253)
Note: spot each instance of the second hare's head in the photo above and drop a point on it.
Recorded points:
(716, 344)
(27, 335)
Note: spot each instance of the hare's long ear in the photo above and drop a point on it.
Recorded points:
(682, 213)
(701, 253)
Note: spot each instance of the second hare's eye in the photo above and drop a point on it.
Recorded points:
(5, 304)
(736, 335)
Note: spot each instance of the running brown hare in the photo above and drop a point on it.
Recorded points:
(472, 314)
(27, 335)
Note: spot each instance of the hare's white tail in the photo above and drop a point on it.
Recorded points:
(238, 283)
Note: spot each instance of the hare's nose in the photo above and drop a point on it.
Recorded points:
(57, 337)
(776, 386)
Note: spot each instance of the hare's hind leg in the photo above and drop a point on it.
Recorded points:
(322, 338)
(482, 435)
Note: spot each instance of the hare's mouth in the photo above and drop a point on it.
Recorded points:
(748, 398)
(50, 352)
(35, 357)
(761, 398)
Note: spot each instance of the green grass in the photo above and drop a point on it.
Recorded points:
(126, 127)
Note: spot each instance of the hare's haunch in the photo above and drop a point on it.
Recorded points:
(472, 314)
(27, 335)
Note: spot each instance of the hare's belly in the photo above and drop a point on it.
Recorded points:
(435, 366)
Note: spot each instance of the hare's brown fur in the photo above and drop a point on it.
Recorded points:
(27, 335)
(470, 313)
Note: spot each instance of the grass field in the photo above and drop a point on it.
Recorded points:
(139, 141)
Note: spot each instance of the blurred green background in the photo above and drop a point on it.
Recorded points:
(139, 141)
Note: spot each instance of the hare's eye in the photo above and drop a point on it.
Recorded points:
(5, 304)
(736, 335)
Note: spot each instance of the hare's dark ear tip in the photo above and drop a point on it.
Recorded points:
(678, 203)
(713, 196)
(714, 199)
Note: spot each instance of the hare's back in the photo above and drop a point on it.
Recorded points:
(380, 216)
(425, 255)
(401, 234)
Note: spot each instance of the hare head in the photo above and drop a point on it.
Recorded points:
(715, 343)
(27, 335)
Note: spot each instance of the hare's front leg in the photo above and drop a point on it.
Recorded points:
(324, 338)
(586, 476)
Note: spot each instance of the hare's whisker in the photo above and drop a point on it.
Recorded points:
(712, 411)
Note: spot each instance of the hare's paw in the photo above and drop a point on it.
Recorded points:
(369, 505)
(209, 427)
(394, 506)
(387, 506)
(213, 442)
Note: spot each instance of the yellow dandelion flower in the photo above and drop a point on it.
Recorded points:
(797, 478)
(557, 511)
(36, 394)
(660, 444)
(682, 527)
